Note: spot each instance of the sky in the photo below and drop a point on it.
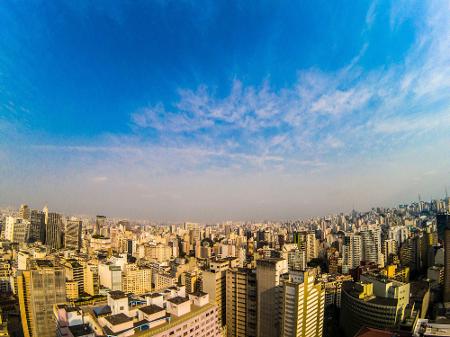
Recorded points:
(223, 110)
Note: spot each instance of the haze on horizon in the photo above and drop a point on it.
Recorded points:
(215, 110)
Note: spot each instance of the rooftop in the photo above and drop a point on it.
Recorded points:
(195, 310)
(151, 309)
(80, 330)
(118, 319)
(117, 294)
(178, 300)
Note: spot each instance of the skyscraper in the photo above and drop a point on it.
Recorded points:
(303, 307)
(16, 229)
(241, 302)
(39, 288)
(307, 242)
(53, 230)
(371, 245)
(214, 283)
(268, 277)
(351, 252)
(37, 226)
(72, 234)
(24, 212)
(99, 222)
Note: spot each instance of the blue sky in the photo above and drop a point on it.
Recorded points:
(211, 110)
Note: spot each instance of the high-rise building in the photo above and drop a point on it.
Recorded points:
(110, 276)
(39, 288)
(99, 222)
(389, 247)
(72, 234)
(351, 252)
(75, 273)
(136, 280)
(307, 242)
(375, 303)
(24, 212)
(37, 226)
(91, 279)
(16, 229)
(158, 252)
(303, 307)
(268, 277)
(192, 281)
(54, 232)
(371, 245)
(241, 302)
(296, 258)
(214, 283)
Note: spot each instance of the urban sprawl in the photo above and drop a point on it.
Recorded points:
(384, 272)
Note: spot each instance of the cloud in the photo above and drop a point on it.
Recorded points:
(414, 124)
(310, 122)
(371, 14)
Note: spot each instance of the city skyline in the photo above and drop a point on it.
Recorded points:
(76, 215)
(208, 111)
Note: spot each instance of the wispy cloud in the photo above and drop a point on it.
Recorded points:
(323, 110)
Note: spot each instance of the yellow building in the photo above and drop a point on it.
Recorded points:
(136, 280)
(214, 283)
(72, 290)
(241, 302)
(163, 281)
(303, 307)
(91, 279)
(395, 273)
(39, 288)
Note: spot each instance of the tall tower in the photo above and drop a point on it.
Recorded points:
(53, 230)
(99, 222)
(303, 308)
(24, 212)
(351, 252)
(241, 302)
(37, 226)
(214, 283)
(371, 244)
(39, 288)
(268, 274)
(72, 234)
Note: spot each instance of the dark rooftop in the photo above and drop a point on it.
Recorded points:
(151, 309)
(178, 300)
(117, 294)
(102, 310)
(118, 319)
(80, 330)
(43, 263)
